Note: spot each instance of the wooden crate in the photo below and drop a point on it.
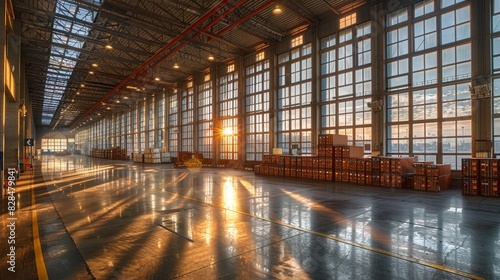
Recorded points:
(438, 183)
(337, 151)
(353, 164)
(437, 170)
(489, 187)
(353, 176)
(376, 178)
(420, 167)
(338, 164)
(470, 167)
(375, 165)
(325, 139)
(361, 164)
(402, 165)
(368, 178)
(488, 167)
(420, 182)
(385, 164)
(385, 179)
(470, 185)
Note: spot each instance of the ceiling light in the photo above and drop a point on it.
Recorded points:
(94, 64)
(277, 10)
(82, 85)
(91, 72)
(78, 93)
(211, 58)
(109, 47)
(157, 79)
(176, 66)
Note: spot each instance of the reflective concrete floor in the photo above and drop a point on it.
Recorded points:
(102, 219)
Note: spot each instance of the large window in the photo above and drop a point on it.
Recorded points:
(187, 105)
(150, 114)
(54, 145)
(160, 121)
(228, 114)
(205, 116)
(295, 97)
(425, 120)
(142, 126)
(257, 108)
(346, 87)
(495, 29)
(173, 129)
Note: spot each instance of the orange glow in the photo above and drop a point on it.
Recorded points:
(227, 131)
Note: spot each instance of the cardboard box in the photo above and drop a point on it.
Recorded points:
(339, 140)
(353, 152)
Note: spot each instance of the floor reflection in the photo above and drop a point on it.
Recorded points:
(150, 221)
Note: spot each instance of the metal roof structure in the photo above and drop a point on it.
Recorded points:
(85, 55)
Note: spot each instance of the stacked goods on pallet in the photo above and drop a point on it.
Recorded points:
(401, 171)
(325, 157)
(438, 177)
(393, 171)
(152, 155)
(350, 155)
(165, 157)
(489, 176)
(470, 176)
(119, 154)
(115, 153)
(138, 157)
(338, 165)
(385, 171)
(420, 175)
(368, 171)
(376, 171)
(480, 176)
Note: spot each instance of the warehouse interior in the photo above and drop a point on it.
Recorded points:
(257, 128)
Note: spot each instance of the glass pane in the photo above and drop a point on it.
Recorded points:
(449, 129)
(449, 145)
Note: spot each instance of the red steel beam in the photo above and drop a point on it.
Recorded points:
(152, 63)
(111, 93)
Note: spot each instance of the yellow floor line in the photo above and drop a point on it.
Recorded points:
(359, 245)
(40, 263)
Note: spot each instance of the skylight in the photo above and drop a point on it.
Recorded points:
(72, 22)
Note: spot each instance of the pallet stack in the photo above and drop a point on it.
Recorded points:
(470, 176)
(489, 177)
(325, 157)
(420, 175)
(138, 157)
(480, 176)
(438, 177)
(395, 172)
(165, 156)
(114, 154)
(152, 155)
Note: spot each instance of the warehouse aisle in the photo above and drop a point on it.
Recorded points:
(154, 221)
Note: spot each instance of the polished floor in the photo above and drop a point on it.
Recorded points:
(101, 219)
